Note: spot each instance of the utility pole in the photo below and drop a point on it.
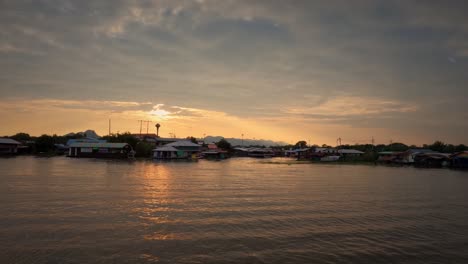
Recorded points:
(242, 139)
(147, 127)
(109, 126)
(141, 125)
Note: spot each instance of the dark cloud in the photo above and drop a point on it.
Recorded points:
(248, 58)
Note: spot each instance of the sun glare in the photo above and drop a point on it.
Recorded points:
(160, 114)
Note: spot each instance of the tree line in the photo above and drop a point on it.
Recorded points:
(48, 144)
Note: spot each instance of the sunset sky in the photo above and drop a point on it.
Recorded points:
(279, 70)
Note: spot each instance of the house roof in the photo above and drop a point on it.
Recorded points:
(182, 143)
(166, 149)
(420, 150)
(98, 145)
(9, 141)
(350, 151)
(160, 139)
(463, 154)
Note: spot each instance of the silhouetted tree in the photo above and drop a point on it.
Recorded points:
(45, 143)
(437, 146)
(224, 144)
(21, 137)
(301, 144)
(122, 138)
(193, 140)
(143, 149)
(397, 147)
(460, 147)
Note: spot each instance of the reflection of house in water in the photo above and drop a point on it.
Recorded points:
(100, 150)
(8, 146)
(177, 150)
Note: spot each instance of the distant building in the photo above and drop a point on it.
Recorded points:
(387, 156)
(435, 160)
(407, 157)
(183, 149)
(8, 146)
(325, 150)
(100, 150)
(348, 153)
(211, 151)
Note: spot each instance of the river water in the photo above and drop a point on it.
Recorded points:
(62, 210)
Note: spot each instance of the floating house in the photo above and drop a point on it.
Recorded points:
(432, 160)
(8, 146)
(349, 153)
(214, 153)
(260, 153)
(326, 150)
(407, 157)
(387, 156)
(183, 149)
(459, 160)
(241, 152)
(100, 150)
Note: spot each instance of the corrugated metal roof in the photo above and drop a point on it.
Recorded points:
(9, 141)
(183, 143)
(166, 148)
(350, 151)
(98, 145)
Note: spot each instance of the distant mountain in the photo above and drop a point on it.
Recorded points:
(88, 133)
(245, 142)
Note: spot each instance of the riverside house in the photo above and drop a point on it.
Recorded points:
(183, 149)
(100, 150)
(8, 146)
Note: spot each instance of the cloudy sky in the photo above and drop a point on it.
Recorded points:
(280, 70)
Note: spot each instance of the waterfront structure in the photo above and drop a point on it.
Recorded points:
(100, 150)
(387, 156)
(435, 160)
(260, 153)
(349, 153)
(459, 160)
(407, 157)
(183, 149)
(326, 150)
(241, 152)
(9, 146)
(213, 152)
